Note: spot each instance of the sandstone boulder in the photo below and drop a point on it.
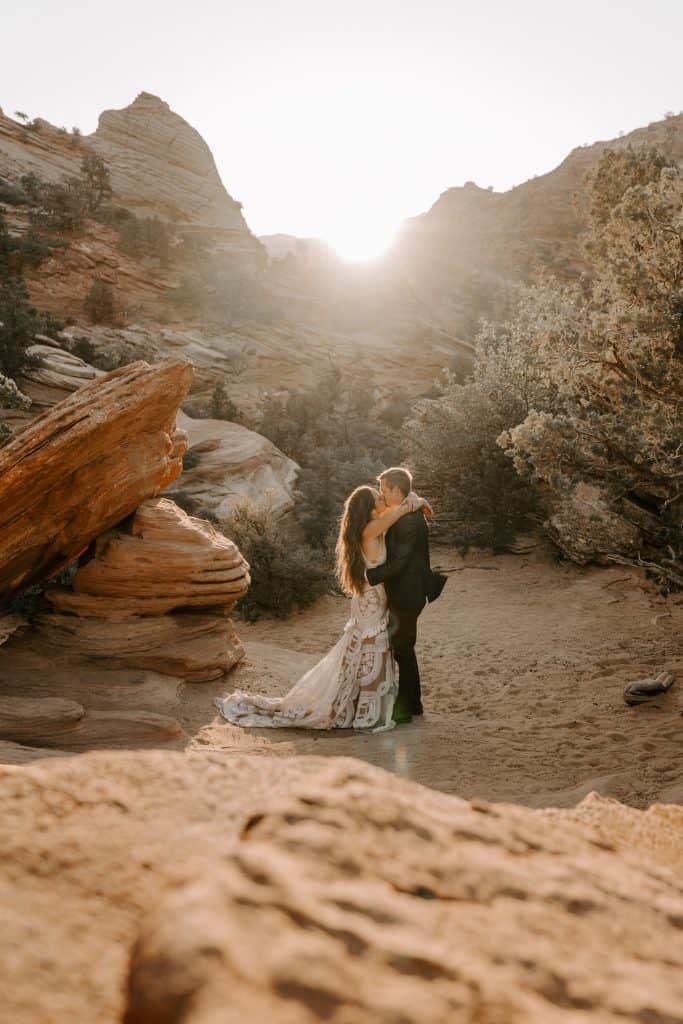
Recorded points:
(230, 463)
(57, 375)
(161, 561)
(85, 465)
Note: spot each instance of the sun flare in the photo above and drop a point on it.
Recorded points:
(357, 244)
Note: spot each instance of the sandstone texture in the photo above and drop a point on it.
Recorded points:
(230, 464)
(84, 465)
(135, 143)
(148, 611)
(161, 561)
(57, 375)
(159, 166)
(205, 890)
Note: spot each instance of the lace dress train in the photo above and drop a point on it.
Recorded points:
(353, 686)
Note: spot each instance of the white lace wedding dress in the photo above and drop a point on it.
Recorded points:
(353, 687)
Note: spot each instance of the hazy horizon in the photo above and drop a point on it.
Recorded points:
(341, 122)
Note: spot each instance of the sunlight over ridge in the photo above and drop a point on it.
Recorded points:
(360, 242)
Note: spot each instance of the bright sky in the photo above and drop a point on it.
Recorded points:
(339, 118)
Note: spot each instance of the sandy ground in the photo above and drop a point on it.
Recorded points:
(524, 660)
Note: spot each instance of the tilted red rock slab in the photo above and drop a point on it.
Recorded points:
(85, 465)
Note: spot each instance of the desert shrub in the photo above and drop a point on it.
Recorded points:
(190, 460)
(60, 206)
(19, 322)
(452, 438)
(84, 349)
(222, 406)
(284, 574)
(63, 206)
(10, 395)
(99, 303)
(95, 182)
(340, 437)
(616, 361)
(12, 194)
(145, 237)
(33, 249)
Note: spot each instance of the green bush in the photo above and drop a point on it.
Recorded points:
(222, 406)
(452, 439)
(12, 194)
(284, 575)
(145, 237)
(340, 437)
(615, 356)
(19, 321)
(99, 303)
(63, 206)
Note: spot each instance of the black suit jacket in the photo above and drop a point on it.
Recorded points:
(406, 574)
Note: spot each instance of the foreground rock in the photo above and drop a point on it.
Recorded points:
(85, 465)
(161, 561)
(257, 889)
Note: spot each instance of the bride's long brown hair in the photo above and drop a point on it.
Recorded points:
(358, 509)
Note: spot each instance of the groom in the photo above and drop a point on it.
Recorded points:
(407, 578)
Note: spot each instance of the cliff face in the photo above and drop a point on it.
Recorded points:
(161, 166)
(512, 235)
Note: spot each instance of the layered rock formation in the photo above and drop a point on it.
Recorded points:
(85, 465)
(56, 375)
(161, 166)
(227, 463)
(162, 561)
(302, 889)
(153, 593)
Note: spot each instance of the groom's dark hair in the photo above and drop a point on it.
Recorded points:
(398, 477)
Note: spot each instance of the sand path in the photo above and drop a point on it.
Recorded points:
(524, 660)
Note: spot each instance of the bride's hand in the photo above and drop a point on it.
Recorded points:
(414, 503)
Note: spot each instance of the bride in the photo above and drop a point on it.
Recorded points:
(355, 684)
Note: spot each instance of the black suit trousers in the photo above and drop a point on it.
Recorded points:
(403, 635)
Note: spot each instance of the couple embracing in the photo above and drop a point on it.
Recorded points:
(370, 679)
